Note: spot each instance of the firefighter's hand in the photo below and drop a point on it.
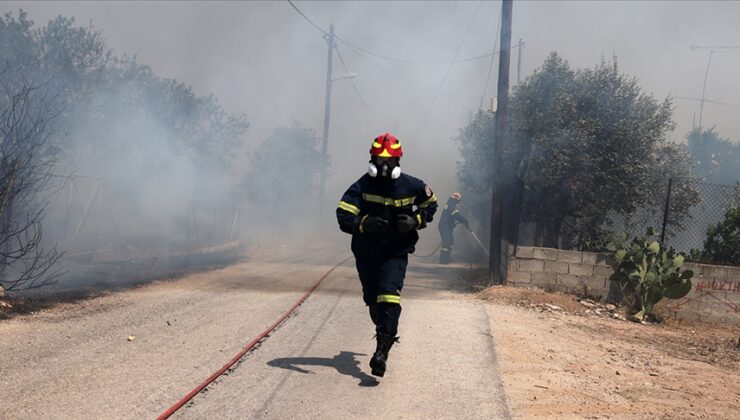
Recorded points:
(373, 224)
(405, 223)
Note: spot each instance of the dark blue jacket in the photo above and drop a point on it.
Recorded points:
(450, 217)
(385, 198)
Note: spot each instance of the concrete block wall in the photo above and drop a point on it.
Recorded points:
(556, 269)
(715, 296)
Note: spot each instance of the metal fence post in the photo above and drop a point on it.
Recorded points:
(666, 211)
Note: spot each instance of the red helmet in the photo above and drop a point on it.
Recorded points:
(386, 145)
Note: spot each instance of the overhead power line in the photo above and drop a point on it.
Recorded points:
(708, 101)
(716, 48)
(383, 56)
(449, 67)
(407, 61)
(490, 65)
(381, 68)
(403, 79)
(341, 60)
(307, 19)
(712, 50)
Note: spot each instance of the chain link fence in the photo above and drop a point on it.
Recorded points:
(682, 230)
(690, 233)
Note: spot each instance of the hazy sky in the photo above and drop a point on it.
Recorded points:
(263, 59)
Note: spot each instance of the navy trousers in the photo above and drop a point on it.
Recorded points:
(382, 282)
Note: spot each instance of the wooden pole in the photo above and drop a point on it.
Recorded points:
(498, 183)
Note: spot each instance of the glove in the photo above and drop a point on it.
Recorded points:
(405, 223)
(373, 224)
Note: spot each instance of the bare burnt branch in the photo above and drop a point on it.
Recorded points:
(25, 172)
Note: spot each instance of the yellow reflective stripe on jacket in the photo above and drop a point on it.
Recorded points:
(349, 207)
(431, 200)
(396, 202)
(362, 229)
(418, 220)
(389, 299)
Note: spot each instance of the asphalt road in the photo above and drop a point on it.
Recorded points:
(75, 361)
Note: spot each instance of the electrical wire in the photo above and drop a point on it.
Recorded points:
(447, 72)
(306, 18)
(490, 65)
(403, 79)
(385, 57)
(406, 61)
(708, 101)
(381, 68)
(341, 60)
(364, 53)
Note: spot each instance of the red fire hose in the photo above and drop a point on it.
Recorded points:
(248, 347)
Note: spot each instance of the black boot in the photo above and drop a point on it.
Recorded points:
(377, 362)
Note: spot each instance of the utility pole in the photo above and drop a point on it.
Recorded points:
(500, 178)
(519, 61)
(666, 212)
(704, 89)
(327, 112)
(712, 50)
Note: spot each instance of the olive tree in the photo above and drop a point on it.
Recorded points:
(586, 145)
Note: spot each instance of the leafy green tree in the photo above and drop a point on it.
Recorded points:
(476, 148)
(588, 145)
(722, 244)
(723, 240)
(113, 117)
(107, 97)
(284, 171)
(717, 159)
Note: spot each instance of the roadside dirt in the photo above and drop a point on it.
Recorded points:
(56, 295)
(559, 358)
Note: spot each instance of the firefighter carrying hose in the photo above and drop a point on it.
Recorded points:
(450, 218)
(383, 211)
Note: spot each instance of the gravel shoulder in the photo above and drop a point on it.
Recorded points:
(565, 363)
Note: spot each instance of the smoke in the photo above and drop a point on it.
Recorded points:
(264, 60)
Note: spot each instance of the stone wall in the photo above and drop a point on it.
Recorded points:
(715, 296)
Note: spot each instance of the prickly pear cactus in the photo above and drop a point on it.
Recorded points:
(647, 274)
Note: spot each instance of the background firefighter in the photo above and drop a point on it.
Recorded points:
(450, 218)
(383, 211)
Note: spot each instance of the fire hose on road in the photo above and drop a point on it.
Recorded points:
(475, 237)
(478, 241)
(249, 346)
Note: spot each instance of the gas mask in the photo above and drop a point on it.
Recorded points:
(388, 168)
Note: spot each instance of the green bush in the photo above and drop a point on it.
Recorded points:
(647, 274)
(722, 245)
